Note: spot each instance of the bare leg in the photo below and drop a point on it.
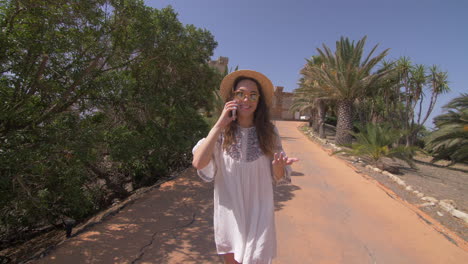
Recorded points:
(229, 259)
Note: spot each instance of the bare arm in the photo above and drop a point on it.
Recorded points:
(280, 160)
(202, 156)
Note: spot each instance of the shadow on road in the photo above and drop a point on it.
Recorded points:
(284, 193)
(289, 138)
(295, 173)
(169, 224)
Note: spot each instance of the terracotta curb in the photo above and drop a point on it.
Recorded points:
(448, 234)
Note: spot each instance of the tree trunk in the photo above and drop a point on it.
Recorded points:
(411, 138)
(345, 122)
(362, 117)
(321, 118)
(408, 140)
(316, 120)
(312, 118)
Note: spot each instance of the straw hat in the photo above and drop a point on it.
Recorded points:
(228, 84)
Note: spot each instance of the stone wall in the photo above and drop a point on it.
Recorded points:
(220, 64)
(282, 101)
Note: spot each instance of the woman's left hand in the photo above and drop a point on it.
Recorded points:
(279, 162)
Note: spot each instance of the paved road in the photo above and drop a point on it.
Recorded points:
(330, 214)
(337, 216)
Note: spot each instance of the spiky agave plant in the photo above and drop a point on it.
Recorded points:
(450, 140)
(375, 141)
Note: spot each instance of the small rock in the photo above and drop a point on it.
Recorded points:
(377, 169)
(115, 201)
(427, 204)
(420, 195)
(460, 214)
(415, 191)
(409, 188)
(429, 199)
(400, 182)
(448, 201)
(387, 173)
(394, 178)
(129, 187)
(439, 213)
(446, 206)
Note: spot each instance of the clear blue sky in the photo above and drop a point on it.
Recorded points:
(275, 36)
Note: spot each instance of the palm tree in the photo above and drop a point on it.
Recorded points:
(380, 101)
(345, 76)
(438, 84)
(413, 80)
(310, 96)
(450, 140)
(303, 103)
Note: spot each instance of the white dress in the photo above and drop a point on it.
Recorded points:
(243, 198)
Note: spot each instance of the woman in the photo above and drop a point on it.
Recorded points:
(243, 154)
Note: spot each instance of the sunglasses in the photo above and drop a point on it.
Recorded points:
(253, 97)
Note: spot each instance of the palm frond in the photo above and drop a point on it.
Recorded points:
(450, 139)
(373, 142)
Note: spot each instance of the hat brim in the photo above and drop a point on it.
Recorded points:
(227, 85)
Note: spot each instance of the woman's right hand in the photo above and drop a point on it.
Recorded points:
(225, 118)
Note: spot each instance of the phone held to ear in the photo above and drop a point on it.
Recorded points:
(233, 114)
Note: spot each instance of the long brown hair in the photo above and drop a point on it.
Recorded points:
(265, 129)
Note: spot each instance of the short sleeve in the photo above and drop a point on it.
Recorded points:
(208, 173)
(287, 169)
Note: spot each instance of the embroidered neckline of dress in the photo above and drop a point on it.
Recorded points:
(252, 147)
(245, 128)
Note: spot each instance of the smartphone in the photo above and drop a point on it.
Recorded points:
(234, 112)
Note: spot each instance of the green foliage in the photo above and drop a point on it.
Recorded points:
(95, 95)
(345, 73)
(415, 84)
(331, 120)
(344, 76)
(375, 141)
(309, 88)
(450, 139)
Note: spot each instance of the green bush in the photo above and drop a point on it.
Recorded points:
(376, 141)
(95, 95)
